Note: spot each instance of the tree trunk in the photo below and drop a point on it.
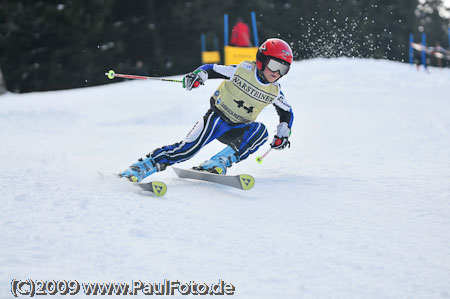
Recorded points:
(2, 84)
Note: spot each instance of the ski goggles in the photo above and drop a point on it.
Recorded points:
(274, 66)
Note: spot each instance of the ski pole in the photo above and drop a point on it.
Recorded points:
(111, 75)
(260, 159)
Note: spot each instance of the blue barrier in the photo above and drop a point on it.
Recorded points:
(225, 31)
(411, 49)
(203, 42)
(255, 30)
(424, 54)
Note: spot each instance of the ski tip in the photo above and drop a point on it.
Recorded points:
(159, 188)
(247, 181)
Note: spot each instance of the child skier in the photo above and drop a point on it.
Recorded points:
(249, 87)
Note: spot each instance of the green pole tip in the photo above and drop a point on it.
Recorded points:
(111, 74)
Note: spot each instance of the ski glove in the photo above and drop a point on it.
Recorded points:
(280, 140)
(194, 79)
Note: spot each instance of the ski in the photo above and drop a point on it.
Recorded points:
(240, 181)
(155, 187)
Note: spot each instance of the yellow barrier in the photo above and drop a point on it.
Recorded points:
(235, 55)
(210, 57)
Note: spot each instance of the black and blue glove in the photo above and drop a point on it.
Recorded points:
(281, 139)
(195, 79)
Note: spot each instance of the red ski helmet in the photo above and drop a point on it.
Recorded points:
(274, 49)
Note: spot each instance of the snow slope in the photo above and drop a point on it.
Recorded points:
(358, 207)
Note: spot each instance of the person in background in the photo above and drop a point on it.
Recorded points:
(438, 53)
(240, 34)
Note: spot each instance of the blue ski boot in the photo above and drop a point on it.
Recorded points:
(142, 169)
(219, 163)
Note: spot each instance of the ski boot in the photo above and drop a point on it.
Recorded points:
(219, 163)
(142, 169)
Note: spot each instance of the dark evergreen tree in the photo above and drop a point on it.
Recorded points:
(47, 45)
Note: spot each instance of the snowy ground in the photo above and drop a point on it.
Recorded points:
(358, 207)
